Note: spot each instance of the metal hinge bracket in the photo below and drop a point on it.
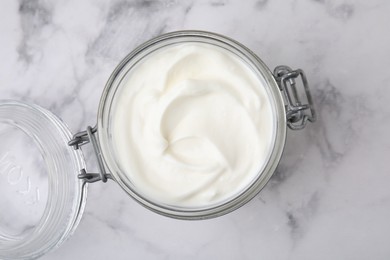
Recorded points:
(297, 114)
(85, 137)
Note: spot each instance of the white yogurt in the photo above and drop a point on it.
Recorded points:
(192, 125)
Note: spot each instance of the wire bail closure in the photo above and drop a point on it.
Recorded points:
(297, 114)
(81, 139)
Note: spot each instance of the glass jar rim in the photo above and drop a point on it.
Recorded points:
(244, 196)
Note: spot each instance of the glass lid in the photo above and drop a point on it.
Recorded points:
(41, 198)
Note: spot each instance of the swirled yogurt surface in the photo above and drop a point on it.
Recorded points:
(192, 125)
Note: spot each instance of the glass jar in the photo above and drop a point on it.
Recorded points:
(64, 168)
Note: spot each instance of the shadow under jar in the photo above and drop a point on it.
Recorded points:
(191, 124)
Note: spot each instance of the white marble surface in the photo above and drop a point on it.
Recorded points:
(330, 197)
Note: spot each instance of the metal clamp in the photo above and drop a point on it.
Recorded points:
(81, 139)
(297, 114)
